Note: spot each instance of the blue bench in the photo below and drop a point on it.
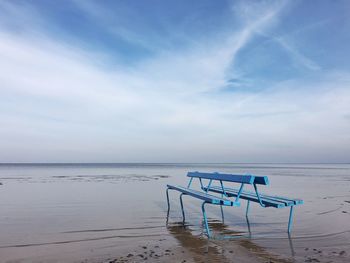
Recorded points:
(227, 196)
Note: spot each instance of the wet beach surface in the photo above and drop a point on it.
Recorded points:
(117, 213)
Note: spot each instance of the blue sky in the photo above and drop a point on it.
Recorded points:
(174, 81)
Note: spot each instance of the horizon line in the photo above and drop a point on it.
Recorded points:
(160, 163)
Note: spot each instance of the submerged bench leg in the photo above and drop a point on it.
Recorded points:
(290, 218)
(205, 219)
(248, 225)
(247, 210)
(167, 198)
(182, 209)
(222, 214)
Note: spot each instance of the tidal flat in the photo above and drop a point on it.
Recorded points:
(118, 213)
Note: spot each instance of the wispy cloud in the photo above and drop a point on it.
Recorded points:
(67, 98)
(299, 59)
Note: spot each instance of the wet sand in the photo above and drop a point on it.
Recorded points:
(117, 213)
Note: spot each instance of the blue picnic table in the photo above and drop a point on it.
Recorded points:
(230, 196)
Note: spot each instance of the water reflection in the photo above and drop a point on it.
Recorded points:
(199, 247)
(224, 244)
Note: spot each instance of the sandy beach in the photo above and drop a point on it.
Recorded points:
(117, 213)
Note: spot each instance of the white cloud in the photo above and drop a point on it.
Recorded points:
(57, 104)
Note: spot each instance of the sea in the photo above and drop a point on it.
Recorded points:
(96, 212)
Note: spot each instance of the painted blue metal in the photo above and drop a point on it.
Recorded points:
(167, 198)
(264, 197)
(291, 245)
(258, 195)
(221, 208)
(266, 200)
(277, 199)
(239, 192)
(290, 219)
(227, 193)
(288, 201)
(200, 181)
(190, 182)
(168, 211)
(209, 184)
(222, 188)
(248, 225)
(204, 196)
(261, 180)
(246, 179)
(247, 210)
(182, 208)
(205, 219)
(248, 196)
(222, 214)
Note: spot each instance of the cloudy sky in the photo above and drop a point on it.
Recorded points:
(174, 81)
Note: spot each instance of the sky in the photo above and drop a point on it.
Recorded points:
(174, 81)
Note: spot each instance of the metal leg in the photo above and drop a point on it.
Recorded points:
(167, 198)
(290, 219)
(247, 210)
(222, 214)
(205, 219)
(182, 208)
(291, 245)
(248, 224)
(222, 210)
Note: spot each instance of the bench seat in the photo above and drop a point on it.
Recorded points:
(267, 200)
(204, 196)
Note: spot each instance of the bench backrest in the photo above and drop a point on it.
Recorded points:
(236, 178)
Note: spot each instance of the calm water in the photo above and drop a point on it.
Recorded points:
(67, 212)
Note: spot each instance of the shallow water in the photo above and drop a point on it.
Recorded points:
(97, 212)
